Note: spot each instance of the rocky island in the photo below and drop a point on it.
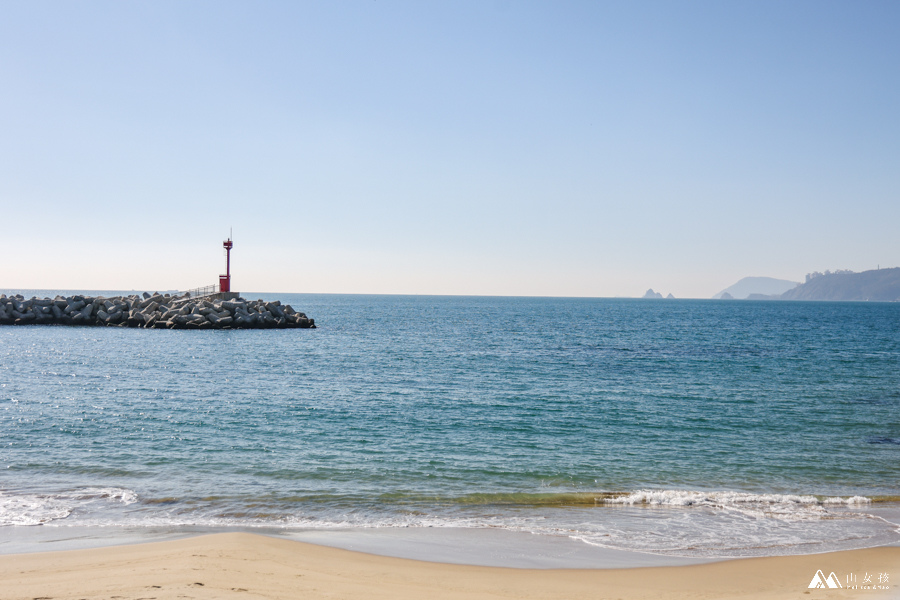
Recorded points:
(159, 311)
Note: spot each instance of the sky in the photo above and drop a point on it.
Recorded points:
(478, 148)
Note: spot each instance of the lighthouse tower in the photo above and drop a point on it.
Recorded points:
(225, 280)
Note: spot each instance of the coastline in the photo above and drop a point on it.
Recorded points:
(481, 547)
(245, 565)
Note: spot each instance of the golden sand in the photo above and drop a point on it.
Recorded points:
(246, 566)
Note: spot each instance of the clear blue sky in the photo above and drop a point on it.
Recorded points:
(514, 148)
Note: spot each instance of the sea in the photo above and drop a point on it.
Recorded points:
(693, 429)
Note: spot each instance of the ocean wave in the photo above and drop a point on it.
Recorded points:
(41, 509)
(778, 506)
(723, 498)
(125, 496)
(31, 509)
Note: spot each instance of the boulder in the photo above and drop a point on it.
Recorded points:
(86, 311)
(73, 306)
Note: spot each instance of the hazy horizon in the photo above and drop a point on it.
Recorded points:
(572, 149)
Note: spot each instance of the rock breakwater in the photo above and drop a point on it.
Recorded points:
(158, 311)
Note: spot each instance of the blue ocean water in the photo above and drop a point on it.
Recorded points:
(685, 428)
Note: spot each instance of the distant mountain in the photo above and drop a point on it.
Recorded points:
(880, 285)
(651, 294)
(765, 286)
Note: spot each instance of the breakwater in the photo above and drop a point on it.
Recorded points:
(158, 311)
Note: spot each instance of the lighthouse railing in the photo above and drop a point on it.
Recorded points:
(207, 290)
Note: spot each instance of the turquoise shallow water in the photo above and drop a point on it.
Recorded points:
(688, 428)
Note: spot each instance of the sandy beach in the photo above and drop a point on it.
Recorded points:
(245, 566)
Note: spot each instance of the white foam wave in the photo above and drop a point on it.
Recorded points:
(782, 506)
(853, 501)
(40, 509)
(31, 509)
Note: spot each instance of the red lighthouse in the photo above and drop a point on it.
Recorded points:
(225, 280)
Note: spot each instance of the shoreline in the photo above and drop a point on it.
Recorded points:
(478, 547)
(490, 546)
(468, 546)
(246, 565)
